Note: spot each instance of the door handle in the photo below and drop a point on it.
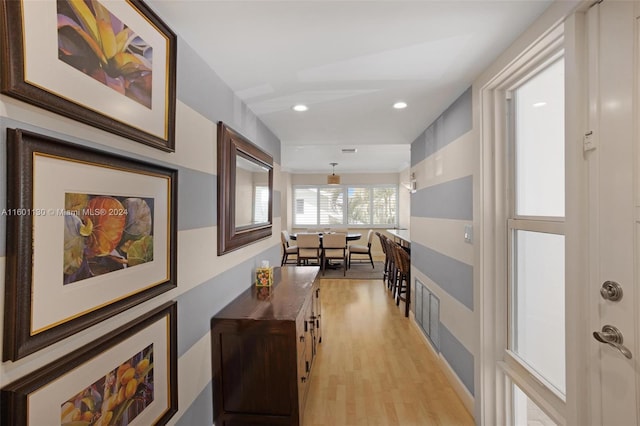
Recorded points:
(613, 337)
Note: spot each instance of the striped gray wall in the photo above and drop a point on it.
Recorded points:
(458, 357)
(454, 122)
(451, 200)
(198, 190)
(204, 91)
(198, 305)
(277, 204)
(199, 88)
(448, 200)
(453, 276)
(200, 412)
(197, 193)
(211, 97)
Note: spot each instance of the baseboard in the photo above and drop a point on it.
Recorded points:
(460, 389)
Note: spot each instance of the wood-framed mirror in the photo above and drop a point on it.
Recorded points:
(245, 191)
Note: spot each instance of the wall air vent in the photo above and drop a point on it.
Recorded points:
(427, 313)
(349, 150)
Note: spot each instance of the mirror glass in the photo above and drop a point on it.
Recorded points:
(245, 188)
(252, 193)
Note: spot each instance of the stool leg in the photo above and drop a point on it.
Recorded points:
(385, 273)
(407, 295)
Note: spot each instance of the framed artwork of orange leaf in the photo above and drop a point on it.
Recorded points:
(89, 234)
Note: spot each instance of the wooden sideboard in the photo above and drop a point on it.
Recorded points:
(263, 346)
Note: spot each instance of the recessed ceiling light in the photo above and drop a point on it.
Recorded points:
(300, 108)
(539, 104)
(400, 105)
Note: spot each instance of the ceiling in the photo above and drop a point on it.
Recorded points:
(349, 61)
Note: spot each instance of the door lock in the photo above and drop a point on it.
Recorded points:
(613, 337)
(611, 290)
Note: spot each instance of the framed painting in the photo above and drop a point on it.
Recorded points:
(89, 234)
(128, 377)
(110, 64)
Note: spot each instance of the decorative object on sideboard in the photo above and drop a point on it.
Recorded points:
(78, 256)
(245, 191)
(55, 56)
(131, 372)
(264, 275)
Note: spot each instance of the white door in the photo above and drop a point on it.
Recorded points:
(614, 208)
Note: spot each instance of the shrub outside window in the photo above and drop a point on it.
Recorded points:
(346, 205)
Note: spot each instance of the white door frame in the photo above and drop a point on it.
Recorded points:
(492, 254)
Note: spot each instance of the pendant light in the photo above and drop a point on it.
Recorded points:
(333, 178)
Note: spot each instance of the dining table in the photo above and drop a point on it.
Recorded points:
(351, 236)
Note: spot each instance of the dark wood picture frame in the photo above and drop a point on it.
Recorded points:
(232, 145)
(15, 396)
(24, 148)
(13, 81)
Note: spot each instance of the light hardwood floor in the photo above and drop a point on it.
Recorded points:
(373, 368)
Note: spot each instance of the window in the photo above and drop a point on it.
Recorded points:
(261, 204)
(359, 212)
(523, 267)
(536, 339)
(307, 197)
(527, 412)
(331, 206)
(354, 206)
(385, 203)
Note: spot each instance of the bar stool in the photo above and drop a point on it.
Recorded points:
(386, 257)
(403, 264)
(392, 271)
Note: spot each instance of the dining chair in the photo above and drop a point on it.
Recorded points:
(287, 249)
(334, 247)
(362, 250)
(309, 248)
